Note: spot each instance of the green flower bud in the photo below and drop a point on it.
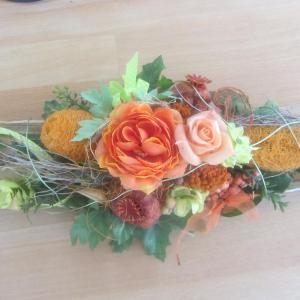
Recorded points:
(242, 147)
(182, 200)
(14, 195)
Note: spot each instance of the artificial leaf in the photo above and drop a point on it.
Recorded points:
(173, 220)
(80, 230)
(122, 235)
(101, 101)
(118, 93)
(121, 231)
(278, 202)
(116, 100)
(64, 94)
(130, 75)
(164, 83)
(156, 239)
(99, 229)
(151, 72)
(166, 94)
(90, 227)
(142, 88)
(278, 183)
(64, 99)
(93, 96)
(270, 108)
(88, 128)
(120, 247)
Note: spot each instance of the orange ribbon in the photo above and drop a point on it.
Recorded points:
(207, 220)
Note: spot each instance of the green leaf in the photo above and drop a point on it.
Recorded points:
(118, 93)
(93, 96)
(101, 101)
(90, 227)
(64, 99)
(38, 151)
(117, 247)
(156, 239)
(270, 108)
(64, 94)
(116, 100)
(130, 75)
(142, 88)
(278, 202)
(99, 228)
(122, 234)
(88, 128)
(52, 106)
(80, 230)
(151, 72)
(164, 83)
(166, 94)
(278, 183)
(173, 220)
(121, 231)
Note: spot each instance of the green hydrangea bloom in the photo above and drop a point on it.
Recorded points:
(181, 200)
(14, 195)
(242, 147)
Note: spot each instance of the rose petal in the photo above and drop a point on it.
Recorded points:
(225, 151)
(184, 147)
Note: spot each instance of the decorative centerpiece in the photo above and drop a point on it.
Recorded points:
(141, 157)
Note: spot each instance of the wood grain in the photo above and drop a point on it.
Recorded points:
(251, 44)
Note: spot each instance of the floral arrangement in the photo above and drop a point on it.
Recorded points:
(139, 158)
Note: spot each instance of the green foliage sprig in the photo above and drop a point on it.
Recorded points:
(93, 226)
(64, 99)
(273, 188)
(146, 86)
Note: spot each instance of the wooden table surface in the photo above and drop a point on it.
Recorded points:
(251, 44)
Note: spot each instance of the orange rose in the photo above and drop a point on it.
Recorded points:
(138, 146)
(204, 138)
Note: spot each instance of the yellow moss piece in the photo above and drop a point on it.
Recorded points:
(58, 131)
(279, 152)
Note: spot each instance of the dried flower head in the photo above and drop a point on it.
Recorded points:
(198, 81)
(208, 178)
(138, 209)
(184, 109)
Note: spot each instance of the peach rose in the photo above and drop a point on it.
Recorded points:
(138, 146)
(204, 138)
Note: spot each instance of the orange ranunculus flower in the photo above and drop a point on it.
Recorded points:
(138, 146)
